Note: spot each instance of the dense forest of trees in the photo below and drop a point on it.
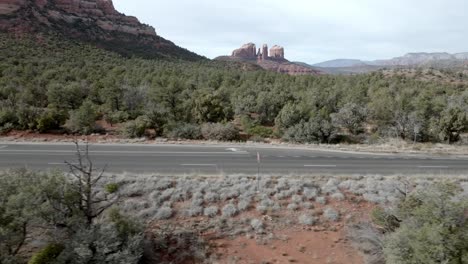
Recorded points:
(51, 84)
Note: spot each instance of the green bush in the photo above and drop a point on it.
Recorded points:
(135, 128)
(50, 119)
(112, 188)
(183, 131)
(432, 227)
(83, 120)
(260, 131)
(319, 131)
(221, 132)
(116, 117)
(47, 255)
(6, 128)
(7, 116)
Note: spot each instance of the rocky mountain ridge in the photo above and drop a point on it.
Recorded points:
(270, 59)
(95, 21)
(418, 59)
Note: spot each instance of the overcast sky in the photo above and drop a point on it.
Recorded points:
(311, 31)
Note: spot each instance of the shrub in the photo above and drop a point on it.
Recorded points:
(148, 214)
(6, 128)
(116, 117)
(262, 209)
(47, 255)
(164, 213)
(257, 225)
(218, 131)
(211, 197)
(307, 205)
(50, 119)
(432, 228)
(331, 214)
(307, 219)
(293, 206)
(338, 196)
(296, 198)
(211, 211)
(290, 115)
(321, 200)
(260, 131)
(315, 131)
(135, 128)
(243, 205)
(310, 193)
(184, 131)
(112, 188)
(83, 120)
(229, 210)
(194, 210)
(197, 201)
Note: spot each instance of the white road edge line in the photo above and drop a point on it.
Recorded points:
(433, 167)
(125, 152)
(324, 166)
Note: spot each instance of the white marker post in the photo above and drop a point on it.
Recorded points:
(258, 171)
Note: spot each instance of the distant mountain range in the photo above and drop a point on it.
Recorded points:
(410, 60)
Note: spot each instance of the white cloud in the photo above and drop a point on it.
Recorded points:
(310, 30)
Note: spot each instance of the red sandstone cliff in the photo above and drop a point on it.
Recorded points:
(272, 60)
(96, 21)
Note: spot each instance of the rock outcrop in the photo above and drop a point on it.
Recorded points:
(272, 60)
(96, 21)
(277, 52)
(247, 51)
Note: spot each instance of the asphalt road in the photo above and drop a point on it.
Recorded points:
(215, 159)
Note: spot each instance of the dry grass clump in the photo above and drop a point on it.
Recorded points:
(293, 206)
(321, 200)
(164, 213)
(310, 193)
(307, 219)
(229, 210)
(331, 214)
(194, 210)
(307, 205)
(338, 196)
(244, 204)
(257, 225)
(211, 211)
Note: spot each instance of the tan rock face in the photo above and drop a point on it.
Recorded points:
(247, 51)
(277, 52)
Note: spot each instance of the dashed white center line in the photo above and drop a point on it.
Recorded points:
(321, 166)
(198, 165)
(433, 167)
(61, 163)
(2, 147)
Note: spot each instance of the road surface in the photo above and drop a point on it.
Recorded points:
(181, 159)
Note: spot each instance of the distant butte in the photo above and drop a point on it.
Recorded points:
(272, 60)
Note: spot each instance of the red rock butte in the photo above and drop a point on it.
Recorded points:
(272, 60)
(249, 51)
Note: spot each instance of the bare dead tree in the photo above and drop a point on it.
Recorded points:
(93, 198)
